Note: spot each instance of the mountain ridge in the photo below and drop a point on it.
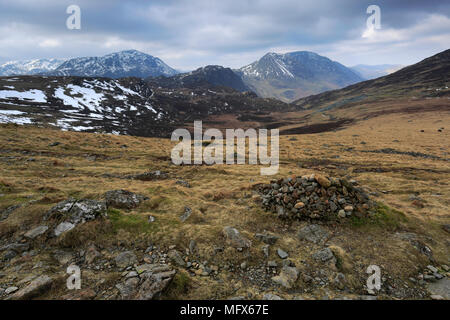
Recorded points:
(29, 67)
(128, 63)
(293, 75)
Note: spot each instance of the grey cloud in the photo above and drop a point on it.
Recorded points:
(191, 33)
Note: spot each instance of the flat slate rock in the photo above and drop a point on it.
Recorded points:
(440, 287)
(313, 233)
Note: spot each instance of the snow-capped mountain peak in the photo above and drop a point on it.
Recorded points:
(292, 75)
(129, 63)
(29, 67)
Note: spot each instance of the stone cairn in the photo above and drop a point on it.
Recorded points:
(315, 197)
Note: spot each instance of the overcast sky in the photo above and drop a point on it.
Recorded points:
(187, 34)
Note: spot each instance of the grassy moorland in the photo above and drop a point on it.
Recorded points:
(400, 159)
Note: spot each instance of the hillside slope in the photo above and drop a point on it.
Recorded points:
(123, 106)
(426, 79)
(205, 77)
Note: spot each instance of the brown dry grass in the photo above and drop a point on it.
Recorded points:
(221, 194)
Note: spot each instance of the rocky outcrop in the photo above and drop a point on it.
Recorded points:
(76, 211)
(34, 289)
(235, 239)
(147, 282)
(36, 232)
(125, 259)
(122, 199)
(72, 212)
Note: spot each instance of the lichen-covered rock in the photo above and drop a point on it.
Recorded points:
(63, 227)
(313, 233)
(36, 232)
(150, 176)
(267, 237)
(155, 281)
(324, 255)
(77, 211)
(125, 259)
(175, 257)
(37, 287)
(235, 239)
(151, 280)
(123, 199)
(287, 277)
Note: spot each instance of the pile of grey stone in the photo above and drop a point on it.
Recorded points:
(314, 196)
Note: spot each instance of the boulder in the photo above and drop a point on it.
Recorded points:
(176, 258)
(235, 239)
(63, 257)
(282, 254)
(128, 288)
(7, 212)
(77, 211)
(270, 296)
(151, 281)
(63, 227)
(37, 287)
(440, 287)
(324, 255)
(187, 213)
(122, 199)
(287, 277)
(314, 233)
(16, 247)
(36, 232)
(155, 281)
(323, 181)
(267, 238)
(125, 259)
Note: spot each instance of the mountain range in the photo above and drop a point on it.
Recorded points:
(29, 67)
(287, 77)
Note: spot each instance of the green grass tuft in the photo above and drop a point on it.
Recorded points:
(384, 217)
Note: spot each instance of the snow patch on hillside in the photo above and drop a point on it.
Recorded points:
(89, 98)
(30, 95)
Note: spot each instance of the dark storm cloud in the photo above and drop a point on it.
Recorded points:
(190, 33)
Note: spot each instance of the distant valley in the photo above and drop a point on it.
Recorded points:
(155, 106)
(369, 72)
